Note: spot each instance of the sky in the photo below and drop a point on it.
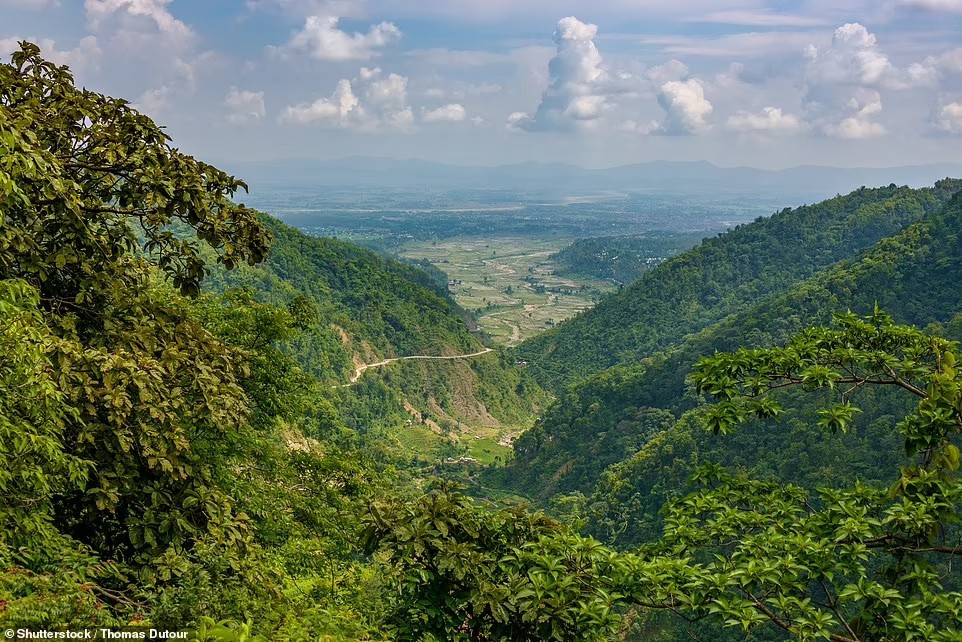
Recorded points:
(596, 83)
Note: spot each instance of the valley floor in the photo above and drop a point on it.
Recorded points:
(509, 282)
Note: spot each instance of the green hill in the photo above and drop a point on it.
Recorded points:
(721, 276)
(187, 453)
(368, 308)
(622, 258)
(630, 411)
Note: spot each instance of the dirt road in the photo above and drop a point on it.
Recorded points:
(362, 368)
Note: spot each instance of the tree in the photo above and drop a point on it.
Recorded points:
(469, 571)
(858, 564)
(146, 401)
(851, 565)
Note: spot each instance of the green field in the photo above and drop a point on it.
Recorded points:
(509, 282)
(485, 444)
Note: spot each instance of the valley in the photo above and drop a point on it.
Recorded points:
(645, 403)
(495, 248)
(509, 283)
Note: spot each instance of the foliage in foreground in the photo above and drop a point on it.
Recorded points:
(157, 463)
(146, 461)
(850, 565)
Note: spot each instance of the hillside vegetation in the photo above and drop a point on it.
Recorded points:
(181, 447)
(721, 276)
(630, 412)
(622, 259)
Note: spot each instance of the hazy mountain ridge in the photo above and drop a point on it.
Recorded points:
(657, 175)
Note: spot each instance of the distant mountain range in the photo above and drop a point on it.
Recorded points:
(360, 172)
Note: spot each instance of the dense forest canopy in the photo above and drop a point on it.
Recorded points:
(622, 259)
(178, 448)
(723, 275)
(608, 417)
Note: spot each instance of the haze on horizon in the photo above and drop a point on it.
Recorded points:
(762, 83)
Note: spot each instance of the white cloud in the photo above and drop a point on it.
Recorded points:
(854, 128)
(133, 20)
(640, 128)
(770, 119)
(731, 77)
(336, 108)
(950, 118)
(935, 69)
(452, 113)
(321, 39)
(370, 102)
(857, 113)
(244, 106)
(515, 119)
(575, 96)
(154, 102)
(951, 61)
(853, 58)
(842, 96)
(671, 70)
(687, 109)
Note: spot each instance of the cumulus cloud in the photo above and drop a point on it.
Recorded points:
(950, 118)
(134, 20)
(575, 96)
(853, 58)
(687, 109)
(936, 69)
(370, 102)
(321, 39)
(770, 120)
(842, 96)
(861, 108)
(634, 127)
(670, 71)
(244, 106)
(338, 107)
(854, 128)
(452, 113)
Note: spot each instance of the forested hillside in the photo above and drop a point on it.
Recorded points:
(366, 305)
(630, 411)
(622, 259)
(178, 445)
(721, 276)
(182, 448)
(367, 308)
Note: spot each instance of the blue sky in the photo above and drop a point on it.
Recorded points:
(766, 83)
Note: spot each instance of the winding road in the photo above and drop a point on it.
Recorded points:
(362, 368)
